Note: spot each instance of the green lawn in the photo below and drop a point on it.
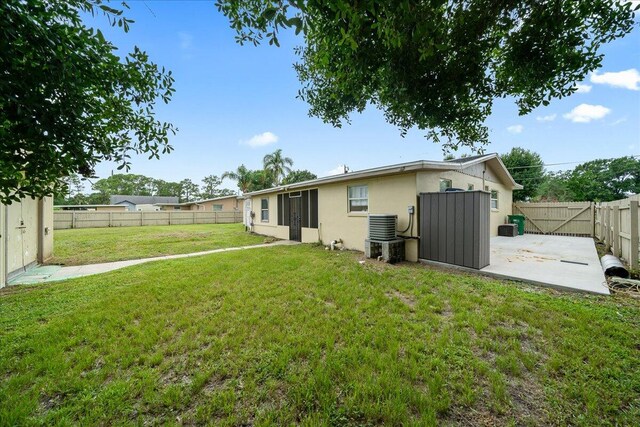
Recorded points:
(300, 335)
(95, 245)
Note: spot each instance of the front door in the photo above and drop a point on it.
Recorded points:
(295, 219)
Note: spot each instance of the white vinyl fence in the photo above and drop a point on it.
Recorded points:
(92, 219)
(617, 227)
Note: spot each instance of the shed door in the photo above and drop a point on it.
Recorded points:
(21, 234)
(295, 218)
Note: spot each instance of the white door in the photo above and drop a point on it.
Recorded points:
(21, 234)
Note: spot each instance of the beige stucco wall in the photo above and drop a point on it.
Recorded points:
(111, 208)
(228, 204)
(392, 194)
(46, 230)
(271, 227)
(387, 195)
(430, 182)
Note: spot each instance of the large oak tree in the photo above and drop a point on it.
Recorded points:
(437, 65)
(67, 100)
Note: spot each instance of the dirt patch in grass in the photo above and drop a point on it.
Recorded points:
(407, 300)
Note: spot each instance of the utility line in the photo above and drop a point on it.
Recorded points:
(564, 163)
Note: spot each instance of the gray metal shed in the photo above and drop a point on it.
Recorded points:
(454, 228)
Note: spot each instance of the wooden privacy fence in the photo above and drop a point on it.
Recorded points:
(91, 219)
(565, 219)
(617, 227)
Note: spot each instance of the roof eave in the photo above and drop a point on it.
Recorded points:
(380, 171)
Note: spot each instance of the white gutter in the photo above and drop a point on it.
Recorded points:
(384, 170)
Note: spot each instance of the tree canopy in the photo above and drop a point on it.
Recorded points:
(527, 169)
(436, 65)
(68, 101)
(299, 176)
(277, 165)
(604, 180)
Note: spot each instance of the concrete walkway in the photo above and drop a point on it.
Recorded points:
(52, 273)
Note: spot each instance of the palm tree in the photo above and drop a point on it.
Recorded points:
(277, 165)
(242, 175)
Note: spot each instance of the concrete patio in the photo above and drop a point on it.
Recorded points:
(569, 263)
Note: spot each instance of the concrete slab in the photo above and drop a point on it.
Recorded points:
(52, 273)
(564, 262)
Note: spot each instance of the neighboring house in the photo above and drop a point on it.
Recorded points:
(221, 204)
(26, 235)
(141, 203)
(336, 207)
(95, 208)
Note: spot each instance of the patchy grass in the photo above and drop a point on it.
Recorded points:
(95, 245)
(299, 335)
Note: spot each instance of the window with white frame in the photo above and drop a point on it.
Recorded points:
(470, 187)
(217, 207)
(494, 199)
(358, 196)
(264, 210)
(444, 184)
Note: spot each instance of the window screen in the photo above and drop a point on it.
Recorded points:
(264, 210)
(358, 198)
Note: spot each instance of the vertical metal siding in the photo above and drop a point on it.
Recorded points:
(454, 228)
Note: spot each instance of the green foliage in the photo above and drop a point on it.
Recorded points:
(189, 190)
(242, 175)
(67, 101)
(604, 180)
(210, 190)
(72, 192)
(260, 180)
(554, 188)
(276, 165)
(527, 169)
(298, 176)
(436, 65)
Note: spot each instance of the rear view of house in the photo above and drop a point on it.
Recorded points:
(337, 207)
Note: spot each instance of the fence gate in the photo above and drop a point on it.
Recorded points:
(566, 219)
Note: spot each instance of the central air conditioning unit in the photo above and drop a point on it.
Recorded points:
(382, 227)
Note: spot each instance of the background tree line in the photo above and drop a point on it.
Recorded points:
(599, 180)
(277, 170)
(138, 185)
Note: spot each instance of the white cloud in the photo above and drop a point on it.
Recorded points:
(584, 113)
(617, 122)
(338, 170)
(583, 88)
(260, 140)
(515, 129)
(186, 40)
(549, 118)
(628, 79)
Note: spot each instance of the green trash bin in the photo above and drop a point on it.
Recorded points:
(519, 221)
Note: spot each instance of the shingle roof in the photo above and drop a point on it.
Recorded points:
(142, 200)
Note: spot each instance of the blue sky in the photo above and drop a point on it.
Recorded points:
(229, 99)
